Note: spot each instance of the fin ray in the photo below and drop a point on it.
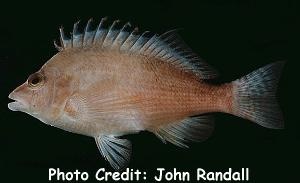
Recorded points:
(116, 151)
(189, 129)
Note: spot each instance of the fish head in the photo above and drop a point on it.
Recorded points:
(41, 96)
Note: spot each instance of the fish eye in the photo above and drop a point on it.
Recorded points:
(35, 80)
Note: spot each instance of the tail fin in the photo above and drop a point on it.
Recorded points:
(254, 96)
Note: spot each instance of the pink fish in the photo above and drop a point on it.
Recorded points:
(111, 81)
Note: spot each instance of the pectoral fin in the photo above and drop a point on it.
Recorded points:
(116, 151)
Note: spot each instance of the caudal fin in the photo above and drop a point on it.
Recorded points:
(254, 96)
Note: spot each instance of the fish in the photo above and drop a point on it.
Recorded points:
(110, 80)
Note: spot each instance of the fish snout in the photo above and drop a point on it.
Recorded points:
(20, 100)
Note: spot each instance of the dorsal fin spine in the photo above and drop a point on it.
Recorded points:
(116, 35)
(119, 39)
(133, 46)
(86, 31)
(101, 41)
(135, 37)
(75, 29)
(114, 38)
(110, 37)
(128, 24)
(100, 31)
(96, 30)
(76, 36)
(126, 45)
(58, 47)
(62, 38)
(139, 42)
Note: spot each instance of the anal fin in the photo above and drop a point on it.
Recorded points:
(189, 129)
(116, 151)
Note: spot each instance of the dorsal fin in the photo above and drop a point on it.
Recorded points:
(168, 47)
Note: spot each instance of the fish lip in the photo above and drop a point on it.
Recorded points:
(16, 105)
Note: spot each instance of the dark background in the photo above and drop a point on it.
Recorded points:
(236, 37)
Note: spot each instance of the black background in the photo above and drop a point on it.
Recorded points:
(236, 37)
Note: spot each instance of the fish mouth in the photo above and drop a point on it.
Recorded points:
(16, 105)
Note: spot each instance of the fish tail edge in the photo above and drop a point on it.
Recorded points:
(254, 96)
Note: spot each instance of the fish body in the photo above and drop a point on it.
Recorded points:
(109, 82)
(117, 92)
